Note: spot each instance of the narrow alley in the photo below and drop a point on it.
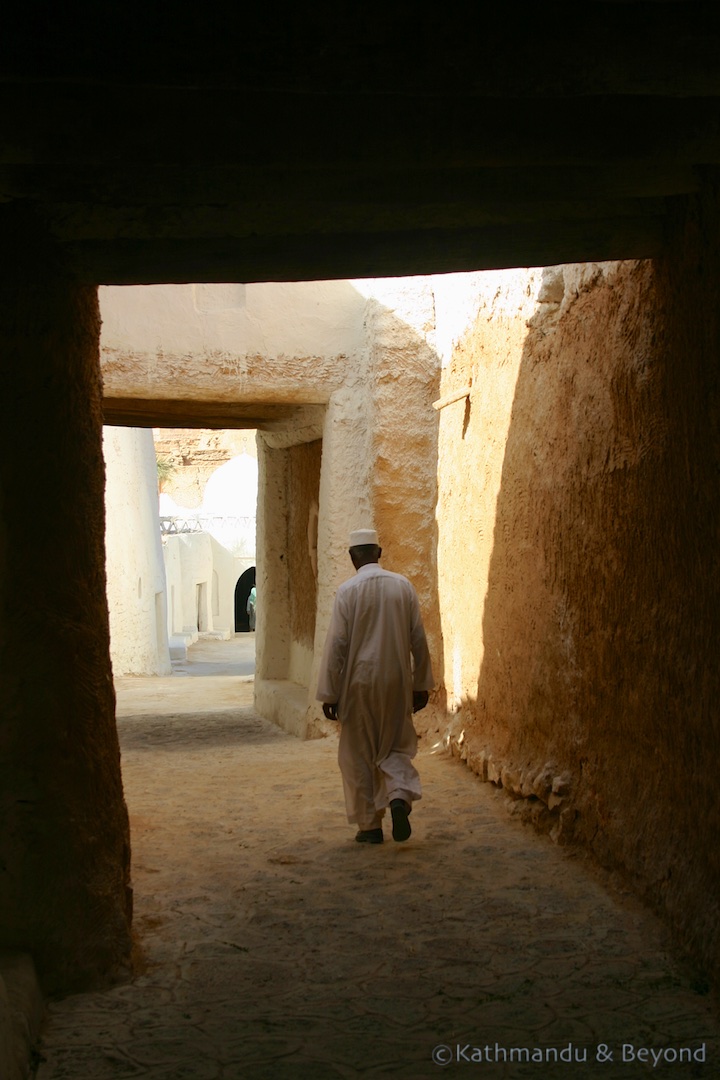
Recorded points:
(273, 946)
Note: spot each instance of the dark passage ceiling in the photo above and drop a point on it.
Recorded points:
(352, 140)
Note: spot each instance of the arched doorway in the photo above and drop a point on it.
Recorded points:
(242, 590)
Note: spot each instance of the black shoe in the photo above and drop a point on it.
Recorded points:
(401, 826)
(369, 836)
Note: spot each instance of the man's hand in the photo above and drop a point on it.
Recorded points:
(330, 710)
(420, 699)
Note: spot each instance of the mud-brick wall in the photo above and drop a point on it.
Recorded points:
(597, 694)
(64, 846)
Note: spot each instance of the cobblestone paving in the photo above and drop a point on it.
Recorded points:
(277, 947)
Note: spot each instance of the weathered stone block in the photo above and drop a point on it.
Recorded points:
(510, 779)
(564, 831)
(493, 771)
(552, 289)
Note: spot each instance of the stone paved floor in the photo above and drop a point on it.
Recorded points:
(277, 947)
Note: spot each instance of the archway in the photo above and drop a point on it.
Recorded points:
(242, 590)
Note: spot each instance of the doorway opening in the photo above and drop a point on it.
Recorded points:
(242, 591)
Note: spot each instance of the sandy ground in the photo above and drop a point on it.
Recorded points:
(274, 946)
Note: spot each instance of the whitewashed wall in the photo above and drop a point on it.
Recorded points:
(134, 561)
(201, 578)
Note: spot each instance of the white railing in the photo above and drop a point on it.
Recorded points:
(170, 526)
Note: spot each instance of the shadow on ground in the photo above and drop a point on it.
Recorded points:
(274, 946)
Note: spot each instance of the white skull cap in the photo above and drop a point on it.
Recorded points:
(363, 536)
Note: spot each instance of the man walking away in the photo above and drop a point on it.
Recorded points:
(375, 673)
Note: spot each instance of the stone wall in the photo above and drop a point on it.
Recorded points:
(578, 567)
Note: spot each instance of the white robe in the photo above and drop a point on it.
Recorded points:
(367, 669)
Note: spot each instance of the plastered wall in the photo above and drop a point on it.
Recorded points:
(201, 578)
(483, 347)
(578, 570)
(405, 382)
(229, 342)
(136, 589)
(357, 362)
(303, 478)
